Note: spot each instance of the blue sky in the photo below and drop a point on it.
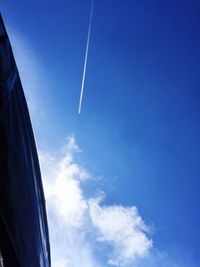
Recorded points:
(139, 127)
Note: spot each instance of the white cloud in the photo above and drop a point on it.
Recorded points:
(62, 185)
(78, 226)
(67, 209)
(123, 228)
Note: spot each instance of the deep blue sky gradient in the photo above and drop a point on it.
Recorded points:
(139, 125)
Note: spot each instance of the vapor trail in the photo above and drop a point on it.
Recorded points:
(86, 57)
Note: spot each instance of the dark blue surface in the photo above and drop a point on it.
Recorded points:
(22, 203)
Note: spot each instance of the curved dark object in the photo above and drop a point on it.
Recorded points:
(24, 239)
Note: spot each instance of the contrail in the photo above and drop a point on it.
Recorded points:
(86, 57)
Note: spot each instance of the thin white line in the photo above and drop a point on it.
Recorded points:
(86, 57)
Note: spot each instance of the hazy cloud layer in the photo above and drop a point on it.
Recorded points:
(27, 65)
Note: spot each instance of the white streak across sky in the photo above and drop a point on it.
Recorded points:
(86, 57)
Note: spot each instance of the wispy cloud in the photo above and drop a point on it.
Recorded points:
(33, 77)
(79, 226)
(27, 65)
